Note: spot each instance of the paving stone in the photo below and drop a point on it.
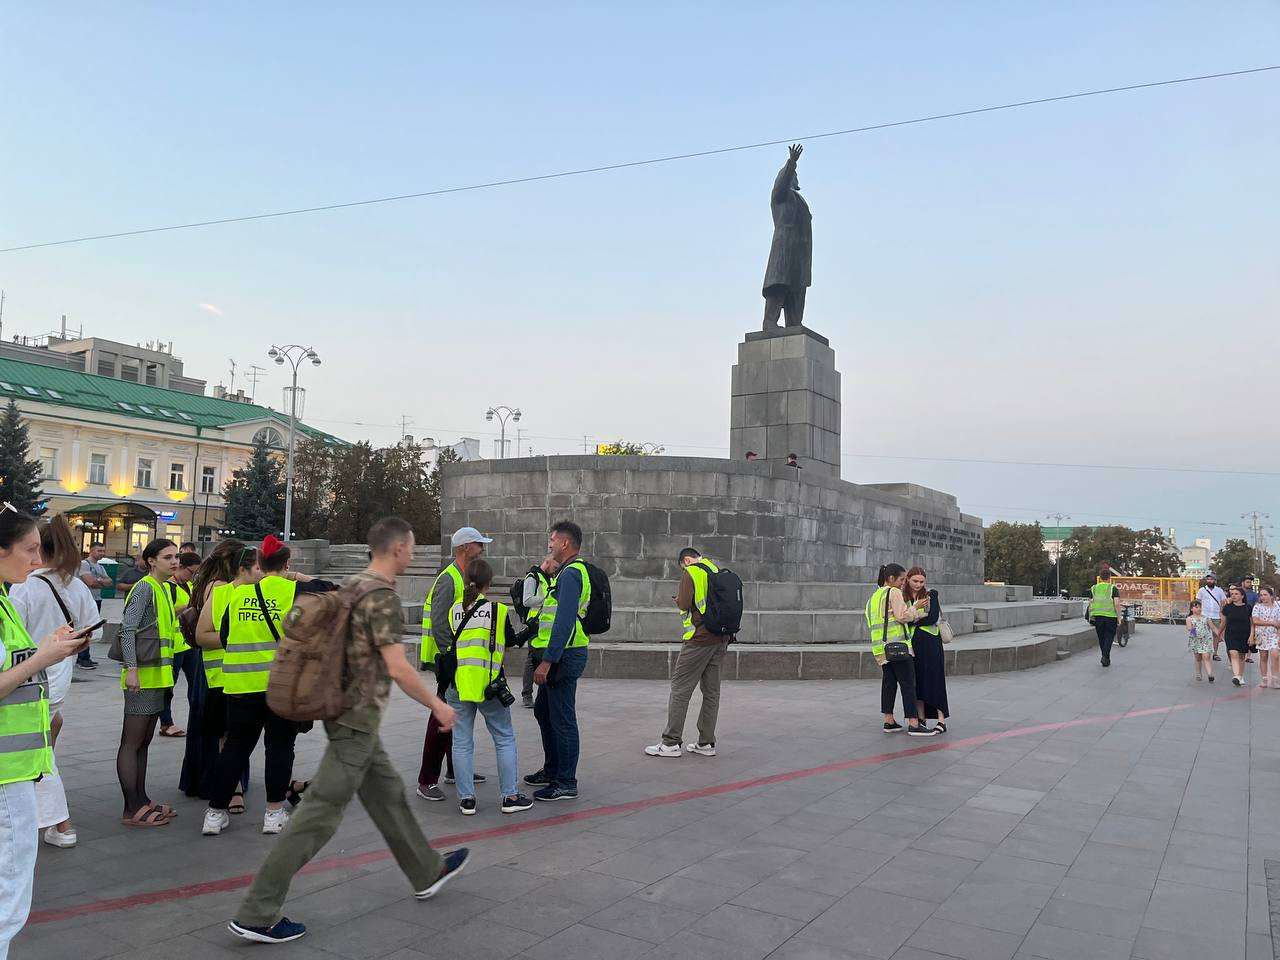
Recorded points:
(964, 941)
(868, 921)
(642, 919)
(747, 927)
(784, 900)
(1059, 943)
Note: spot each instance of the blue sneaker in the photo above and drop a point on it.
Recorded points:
(453, 864)
(282, 931)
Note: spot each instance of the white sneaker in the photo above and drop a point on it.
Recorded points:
(274, 821)
(702, 749)
(215, 821)
(663, 750)
(52, 836)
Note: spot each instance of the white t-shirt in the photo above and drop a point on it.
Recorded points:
(1211, 601)
(41, 616)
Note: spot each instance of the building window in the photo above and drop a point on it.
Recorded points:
(48, 463)
(173, 532)
(129, 370)
(271, 437)
(177, 476)
(153, 375)
(106, 364)
(209, 480)
(145, 467)
(97, 468)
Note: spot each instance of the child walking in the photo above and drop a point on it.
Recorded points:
(1200, 639)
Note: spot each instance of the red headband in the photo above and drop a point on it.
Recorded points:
(271, 545)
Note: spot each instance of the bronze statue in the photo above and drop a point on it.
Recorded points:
(788, 274)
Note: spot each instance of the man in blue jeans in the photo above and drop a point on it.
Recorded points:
(562, 657)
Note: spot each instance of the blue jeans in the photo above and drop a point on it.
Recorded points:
(497, 719)
(556, 711)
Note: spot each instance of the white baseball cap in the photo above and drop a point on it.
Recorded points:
(465, 535)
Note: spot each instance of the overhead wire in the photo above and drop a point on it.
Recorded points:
(624, 165)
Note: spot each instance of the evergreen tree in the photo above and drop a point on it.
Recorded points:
(255, 496)
(313, 493)
(431, 534)
(19, 474)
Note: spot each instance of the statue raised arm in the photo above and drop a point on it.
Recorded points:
(787, 275)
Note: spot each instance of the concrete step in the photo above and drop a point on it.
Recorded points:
(995, 652)
(1023, 613)
(759, 595)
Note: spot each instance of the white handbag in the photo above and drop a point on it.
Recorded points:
(945, 631)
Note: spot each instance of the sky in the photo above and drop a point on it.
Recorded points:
(1089, 282)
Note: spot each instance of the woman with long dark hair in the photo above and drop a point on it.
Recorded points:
(887, 616)
(147, 629)
(1237, 630)
(53, 597)
(26, 750)
(926, 643)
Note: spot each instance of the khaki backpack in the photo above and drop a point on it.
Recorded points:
(310, 663)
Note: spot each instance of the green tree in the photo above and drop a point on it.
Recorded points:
(407, 480)
(435, 484)
(1238, 559)
(312, 487)
(626, 448)
(359, 493)
(1014, 553)
(19, 474)
(1137, 553)
(255, 495)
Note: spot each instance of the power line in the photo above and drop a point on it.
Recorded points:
(693, 155)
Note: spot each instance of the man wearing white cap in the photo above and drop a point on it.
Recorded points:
(437, 640)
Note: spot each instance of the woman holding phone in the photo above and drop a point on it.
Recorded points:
(146, 644)
(26, 751)
(53, 597)
(887, 616)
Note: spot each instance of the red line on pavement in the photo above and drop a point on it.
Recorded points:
(506, 830)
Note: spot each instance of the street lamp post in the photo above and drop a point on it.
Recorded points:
(503, 413)
(294, 354)
(1057, 557)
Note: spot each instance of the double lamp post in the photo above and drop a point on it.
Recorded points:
(295, 355)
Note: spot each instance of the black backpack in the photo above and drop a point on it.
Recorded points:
(599, 615)
(517, 604)
(723, 615)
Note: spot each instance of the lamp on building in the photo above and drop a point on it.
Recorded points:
(294, 354)
(503, 413)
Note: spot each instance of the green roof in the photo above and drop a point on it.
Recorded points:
(85, 391)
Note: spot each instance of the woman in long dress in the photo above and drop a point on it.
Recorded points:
(926, 641)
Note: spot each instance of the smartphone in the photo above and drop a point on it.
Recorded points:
(81, 634)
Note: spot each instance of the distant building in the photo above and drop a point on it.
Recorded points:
(1195, 559)
(467, 448)
(153, 364)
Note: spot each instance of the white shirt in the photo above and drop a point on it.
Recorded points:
(41, 616)
(1211, 600)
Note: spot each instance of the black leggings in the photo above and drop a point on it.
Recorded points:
(898, 674)
(248, 719)
(131, 760)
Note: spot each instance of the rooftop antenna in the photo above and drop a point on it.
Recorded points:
(1, 312)
(255, 374)
(233, 377)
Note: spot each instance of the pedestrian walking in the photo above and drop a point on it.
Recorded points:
(26, 749)
(146, 646)
(1266, 620)
(1200, 639)
(249, 628)
(185, 660)
(94, 576)
(482, 631)
(1237, 630)
(355, 760)
(437, 744)
(1212, 597)
(698, 664)
(54, 596)
(887, 616)
(562, 658)
(926, 645)
(1102, 613)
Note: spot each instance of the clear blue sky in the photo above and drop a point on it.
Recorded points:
(1088, 282)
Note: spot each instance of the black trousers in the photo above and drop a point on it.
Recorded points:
(898, 675)
(1105, 628)
(248, 719)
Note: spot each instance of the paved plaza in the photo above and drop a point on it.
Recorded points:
(1070, 812)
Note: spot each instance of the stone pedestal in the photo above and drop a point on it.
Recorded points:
(786, 399)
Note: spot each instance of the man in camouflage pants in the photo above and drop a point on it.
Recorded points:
(355, 761)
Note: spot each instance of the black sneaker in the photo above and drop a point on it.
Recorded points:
(538, 779)
(468, 806)
(1211, 678)
(1237, 681)
(475, 778)
(282, 931)
(432, 792)
(1106, 661)
(892, 727)
(555, 793)
(453, 864)
(528, 702)
(87, 665)
(516, 803)
(921, 731)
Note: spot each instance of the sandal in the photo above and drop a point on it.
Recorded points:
(940, 726)
(173, 730)
(237, 803)
(296, 789)
(168, 811)
(147, 816)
